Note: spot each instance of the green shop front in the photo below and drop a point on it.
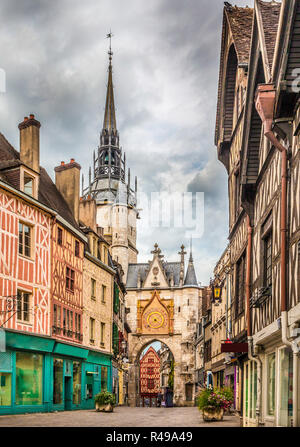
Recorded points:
(40, 374)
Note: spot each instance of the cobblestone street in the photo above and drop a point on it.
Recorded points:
(121, 417)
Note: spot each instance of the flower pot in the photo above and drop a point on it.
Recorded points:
(107, 408)
(213, 414)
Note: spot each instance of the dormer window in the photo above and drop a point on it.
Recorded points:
(28, 184)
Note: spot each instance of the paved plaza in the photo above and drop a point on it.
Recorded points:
(121, 417)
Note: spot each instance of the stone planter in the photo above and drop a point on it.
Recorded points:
(107, 408)
(213, 414)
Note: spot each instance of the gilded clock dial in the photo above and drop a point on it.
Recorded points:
(155, 320)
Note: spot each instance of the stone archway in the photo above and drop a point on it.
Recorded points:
(137, 344)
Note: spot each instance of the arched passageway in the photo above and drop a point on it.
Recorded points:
(137, 345)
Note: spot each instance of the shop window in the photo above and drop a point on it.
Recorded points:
(76, 383)
(25, 236)
(23, 306)
(5, 389)
(70, 275)
(271, 384)
(103, 378)
(29, 378)
(58, 376)
(286, 387)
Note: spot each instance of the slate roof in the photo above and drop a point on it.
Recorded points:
(190, 277)
(48, 193)
(169, 268)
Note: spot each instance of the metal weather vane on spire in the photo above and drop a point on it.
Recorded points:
(109, 36)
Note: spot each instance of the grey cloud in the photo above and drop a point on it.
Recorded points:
(166, 56)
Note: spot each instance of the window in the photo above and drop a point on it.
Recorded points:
(103, 296)
(102, 333)
(240, 285)
(65, 322)
(76, 383)
(23, 306)
(103, 378)
(237, 192)
(207, 351)
(92, 330)
(77, 249)
(286, 387)
(151, 384)
(266, 231)
(271, 384)
(29, 378)
(70, 275)
(24, 240)
(5, 389)
(150, 370)
(59, 236)
(58, 377)
(267, 242)
(28, 184)
(93, 289)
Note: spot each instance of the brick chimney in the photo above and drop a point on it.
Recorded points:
(67, 180)
(30, 142)
(88, 212)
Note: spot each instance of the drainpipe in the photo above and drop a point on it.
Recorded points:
(251, 357)
(265, 104)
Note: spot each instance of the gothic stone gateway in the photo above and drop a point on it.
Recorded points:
(162, 302)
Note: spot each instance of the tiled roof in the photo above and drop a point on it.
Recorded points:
(48, 193)
(270, 12)
(240, 22)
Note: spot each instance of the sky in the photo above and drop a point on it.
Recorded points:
(165, 73)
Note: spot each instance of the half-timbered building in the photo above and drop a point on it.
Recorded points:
(264, 192)
(150, 377)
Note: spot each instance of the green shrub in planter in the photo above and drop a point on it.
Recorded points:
(105, 401)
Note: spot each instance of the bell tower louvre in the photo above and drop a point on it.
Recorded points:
(114, 197)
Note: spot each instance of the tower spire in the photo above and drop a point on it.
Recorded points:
(109, 122)
(190, 277)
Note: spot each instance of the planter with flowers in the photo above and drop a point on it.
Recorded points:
(213, 403)
(105, 401)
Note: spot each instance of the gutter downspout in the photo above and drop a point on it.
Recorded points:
(265, 103)
(249, 324)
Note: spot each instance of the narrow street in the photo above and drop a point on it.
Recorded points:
(121, 417)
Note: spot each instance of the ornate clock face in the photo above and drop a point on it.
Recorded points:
(155, 320)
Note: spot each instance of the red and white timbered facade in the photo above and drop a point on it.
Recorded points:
(150, 373)
(24, 264)
(67, 280)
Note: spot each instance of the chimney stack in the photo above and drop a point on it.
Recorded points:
(30, 142)
(67, 180)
